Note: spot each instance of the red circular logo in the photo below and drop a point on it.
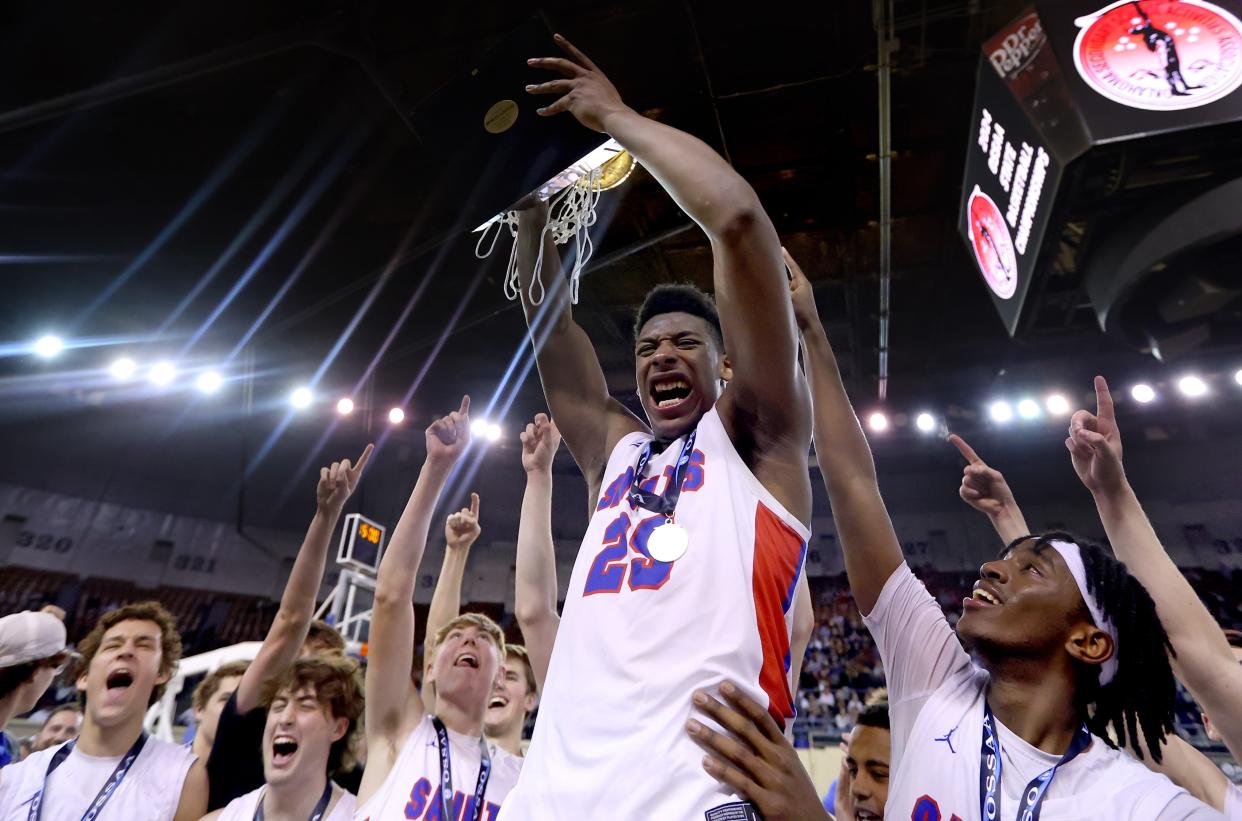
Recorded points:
(1160, 55)
(989, 236)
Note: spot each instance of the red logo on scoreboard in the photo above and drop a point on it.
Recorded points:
(989, 236)
(1160, 55)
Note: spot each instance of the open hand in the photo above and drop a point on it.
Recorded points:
(585, 91)
(540, 441)
(448, 436)
(462, 528)
(1094, 444)
(800, 291)
(338, 482)
(756, 761)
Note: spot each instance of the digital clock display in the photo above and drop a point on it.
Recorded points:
(369, 532)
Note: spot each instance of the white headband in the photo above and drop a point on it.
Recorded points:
(1072, 555)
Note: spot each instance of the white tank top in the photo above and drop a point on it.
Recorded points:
(341, 808)
(150, 791)
(638, 637)
(412, 788)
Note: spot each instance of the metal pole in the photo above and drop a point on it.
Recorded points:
(886, 45)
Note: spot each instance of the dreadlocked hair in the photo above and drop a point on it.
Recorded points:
(1142, 694)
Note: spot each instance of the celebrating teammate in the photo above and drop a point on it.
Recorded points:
(514, 696)
(1066, 643)
(438, 765)
(113, 770)
(689, 565)
(535, 597)
(208, 701)
(61, 725)
(236, 762)
(1203, 659)
(313, 711)
(32, 651)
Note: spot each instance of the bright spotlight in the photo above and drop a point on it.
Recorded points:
(161, 373)
(1001, 412)
(878, 422)
(493, 432)
(345, 406)
(1192, 386)
(1028, 409)
(1237, 376)
(478, 427)
(123, 368)
(396, 416)
(925, 422)
(301, 398)
(209, 382)
(1057, 404)
(1142, 392)
(48, 346)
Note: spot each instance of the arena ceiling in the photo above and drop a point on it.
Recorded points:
(143, 143)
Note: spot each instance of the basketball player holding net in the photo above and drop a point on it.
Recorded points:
(689, 568)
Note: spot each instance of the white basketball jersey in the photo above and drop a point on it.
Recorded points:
(150, 791)
(936, 701)
(341, 807)
(637, 637)
(412, 788)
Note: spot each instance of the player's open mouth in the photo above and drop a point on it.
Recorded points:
(283, 749)
(498, 702)
(467, 660)
(866, 815)
(670, 391)
(984, 595)
(119, 679)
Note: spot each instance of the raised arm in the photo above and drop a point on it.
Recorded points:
(461, 530)
(284, 639)
(573, 382)
(1204, 661)
(868, 541)
(984, 488)
(748, 275)
(390, 655)
(536, 594)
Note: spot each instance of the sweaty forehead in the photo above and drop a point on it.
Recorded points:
(674, 323)
(1037, 551)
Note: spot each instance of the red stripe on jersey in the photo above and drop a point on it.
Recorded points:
(778, 561)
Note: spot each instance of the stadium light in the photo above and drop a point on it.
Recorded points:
(493, 432)
(1057, 404)
(1237, 376)
(302, 398)
(878, 422)
(209, 382)
(1192, 386)
(123, 368)
(48, 346)
(478, 427)
(1142, 393)
(345, 406)
(396, 416)
(1001, 411)
(1028, 409)
(162, 373)
(925, 422)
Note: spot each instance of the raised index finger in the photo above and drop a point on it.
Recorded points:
(363, 459)
(574, 52)
(966, 450)
(1103, 399)
(464, 410)
(474, 505)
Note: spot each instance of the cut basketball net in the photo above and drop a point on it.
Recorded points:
(574, 195)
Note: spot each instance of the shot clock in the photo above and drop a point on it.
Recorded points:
(362, 543)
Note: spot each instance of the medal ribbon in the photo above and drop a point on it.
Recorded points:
(105, 792)
(990, 773)
(316, 813)
(666, 503)
(446, 775)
